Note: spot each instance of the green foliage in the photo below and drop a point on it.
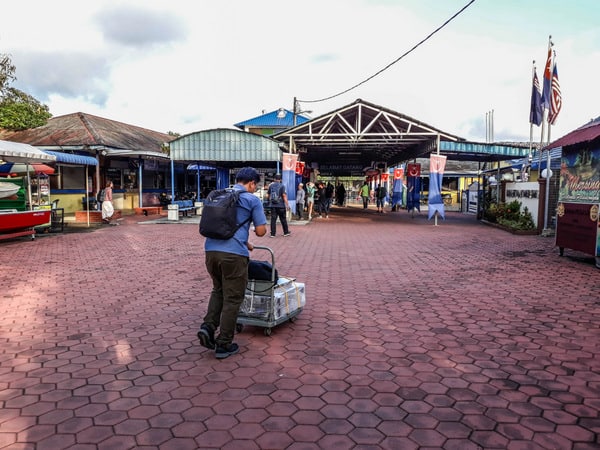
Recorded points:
(18, 110)
(7, 73)
(510, 215)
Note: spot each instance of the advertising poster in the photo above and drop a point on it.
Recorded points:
(577, 225)
(580, 176)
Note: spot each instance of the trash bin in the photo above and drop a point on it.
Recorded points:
(198, 206)
(57, 219)
(173, 211)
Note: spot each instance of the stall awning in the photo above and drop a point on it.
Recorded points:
(17, 152)
(71, 158)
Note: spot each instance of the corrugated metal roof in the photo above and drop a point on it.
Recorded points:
(85, 131)
(472, 151)
(280, 118)
(585, 133)
(224, 145)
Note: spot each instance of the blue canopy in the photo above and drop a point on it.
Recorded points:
(72, 158)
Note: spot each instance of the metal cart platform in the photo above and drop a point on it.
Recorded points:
(269, 303)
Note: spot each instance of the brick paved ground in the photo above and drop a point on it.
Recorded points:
(459, 336)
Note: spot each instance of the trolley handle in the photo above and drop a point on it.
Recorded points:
(260, 247)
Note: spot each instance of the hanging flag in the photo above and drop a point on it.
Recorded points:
(413, 194)
(547, 80)
(288, 175)
(555, 97)
(398, 173)
(536, 113)
(413, 170)
(437, 164)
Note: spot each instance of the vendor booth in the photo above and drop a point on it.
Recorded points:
(578, 227)
(18, 217)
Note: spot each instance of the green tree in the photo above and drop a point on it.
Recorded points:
(18, 110)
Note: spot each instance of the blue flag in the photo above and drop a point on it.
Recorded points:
(536, 112)
(413, 195)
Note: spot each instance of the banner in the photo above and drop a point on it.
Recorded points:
(413, 170)
(437, 164)
(413, 195)
(288, 177)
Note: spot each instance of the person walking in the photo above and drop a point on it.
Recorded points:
(227, 264)
(322, 200)
(300, 196)
(381, 194)
(310, 198)
(364, 194)
(278, 202)
(107, 203)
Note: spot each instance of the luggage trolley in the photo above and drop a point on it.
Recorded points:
(270, 302)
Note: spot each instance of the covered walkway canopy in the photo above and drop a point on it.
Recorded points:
(347, 140)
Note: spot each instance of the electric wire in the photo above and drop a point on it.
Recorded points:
(429, 36)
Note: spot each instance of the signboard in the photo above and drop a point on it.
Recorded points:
(580, 176)
(577, 227)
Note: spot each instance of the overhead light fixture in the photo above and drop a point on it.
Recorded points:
(349, 153)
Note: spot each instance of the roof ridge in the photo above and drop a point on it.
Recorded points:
(89, 127)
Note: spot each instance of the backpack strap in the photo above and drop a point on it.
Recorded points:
(249, 218)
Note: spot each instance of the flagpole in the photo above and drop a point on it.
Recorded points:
(531, 123)
(546, 106)
(548, 162)
(438, 152)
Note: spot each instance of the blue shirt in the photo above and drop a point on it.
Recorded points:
(251, 207)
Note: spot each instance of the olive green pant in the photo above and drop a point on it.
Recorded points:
(229, 273)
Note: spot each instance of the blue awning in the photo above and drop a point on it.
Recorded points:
(71, 158)
(200, 167)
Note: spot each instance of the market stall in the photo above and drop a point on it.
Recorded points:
(578, 224)
(19, 218)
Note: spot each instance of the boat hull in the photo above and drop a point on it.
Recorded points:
(8, 189)
(18, 220)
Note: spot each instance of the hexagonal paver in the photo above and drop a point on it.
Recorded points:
(463, 358)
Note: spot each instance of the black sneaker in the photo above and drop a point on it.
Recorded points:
(287, 234)
(224, 352)
(206, 335)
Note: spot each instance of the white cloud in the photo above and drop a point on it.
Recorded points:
(186, 66)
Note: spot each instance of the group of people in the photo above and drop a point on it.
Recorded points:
(379, 195)
(318, 198)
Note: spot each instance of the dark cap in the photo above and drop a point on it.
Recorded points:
(278, 176)
(247, 174)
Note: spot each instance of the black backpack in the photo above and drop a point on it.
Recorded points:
(275, 193)
(219, 214)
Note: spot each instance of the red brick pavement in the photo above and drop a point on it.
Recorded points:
(459, 336)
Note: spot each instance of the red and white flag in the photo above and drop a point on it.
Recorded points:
(555, 97)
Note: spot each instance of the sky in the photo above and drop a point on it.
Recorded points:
(185, 66)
